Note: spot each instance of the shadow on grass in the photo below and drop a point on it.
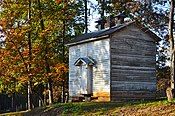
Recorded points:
(84, 108)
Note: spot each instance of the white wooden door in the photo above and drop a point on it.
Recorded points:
(83, 83)
(86, 79)
(89, 79)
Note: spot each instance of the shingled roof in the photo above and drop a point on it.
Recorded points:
(107, 32)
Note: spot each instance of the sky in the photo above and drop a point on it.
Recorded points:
(94, 17)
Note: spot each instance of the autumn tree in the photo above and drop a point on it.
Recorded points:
(34, 51)
(16, 29)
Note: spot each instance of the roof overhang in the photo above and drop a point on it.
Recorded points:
(88, 40)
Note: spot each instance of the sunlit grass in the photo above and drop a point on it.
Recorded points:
(20, 113)
(98, 108)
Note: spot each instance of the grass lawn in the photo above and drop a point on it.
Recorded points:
(143, 108)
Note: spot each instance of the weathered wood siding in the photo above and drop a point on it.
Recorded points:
(99, 51)
(133, 60)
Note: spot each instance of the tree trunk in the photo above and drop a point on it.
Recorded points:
(103, 14)
(29, 96)
(171, 40)
(169, 94)
(63, 57)
(86, 18)
(29, 90)
(40, 95)
(63, 44)
(46, 55)
(50, 91)
(13, 102)
(63, 91)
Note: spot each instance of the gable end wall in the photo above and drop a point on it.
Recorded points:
(133, 60)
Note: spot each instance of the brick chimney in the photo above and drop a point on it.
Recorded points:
(111, 21)
(120, 18)
(100, 24)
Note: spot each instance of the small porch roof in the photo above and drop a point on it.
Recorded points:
(86, 60)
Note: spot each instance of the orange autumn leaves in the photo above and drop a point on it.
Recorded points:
(26, 63)
(14, 62)
(12, 67)
(58, 1)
